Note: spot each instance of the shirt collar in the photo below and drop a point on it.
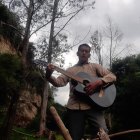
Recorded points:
(80, 64)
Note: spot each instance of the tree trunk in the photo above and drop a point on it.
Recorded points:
(45, 93)
(25, 43)
(42, 130)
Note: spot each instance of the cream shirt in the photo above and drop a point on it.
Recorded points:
(92, 69)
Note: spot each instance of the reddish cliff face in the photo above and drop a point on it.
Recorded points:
(27, 108)
(29, 101)
(6, 47)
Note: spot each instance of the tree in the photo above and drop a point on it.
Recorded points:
(97, 46)
(107, 40)
(125, 109)
(114, 36)
(35, 15)
(10, 81)
(9, 33)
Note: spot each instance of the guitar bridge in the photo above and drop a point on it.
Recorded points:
(101, 93)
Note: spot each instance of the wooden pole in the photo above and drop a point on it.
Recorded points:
(122, 133)
(60, 124)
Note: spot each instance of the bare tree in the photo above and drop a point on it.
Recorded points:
(97, 45)
(106, 42)
(113, 37)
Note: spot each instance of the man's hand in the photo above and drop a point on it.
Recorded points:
(92, 86)
(49, 70)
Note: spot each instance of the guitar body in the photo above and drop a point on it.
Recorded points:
(102, 98)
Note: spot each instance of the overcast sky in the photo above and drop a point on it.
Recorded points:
(126, 15)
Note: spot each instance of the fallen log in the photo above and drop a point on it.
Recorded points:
(60, 124)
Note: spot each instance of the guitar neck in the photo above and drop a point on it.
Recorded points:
(74, 77)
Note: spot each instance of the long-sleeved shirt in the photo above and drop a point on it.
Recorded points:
(92, 69)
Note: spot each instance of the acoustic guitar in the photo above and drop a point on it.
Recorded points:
(103, 97)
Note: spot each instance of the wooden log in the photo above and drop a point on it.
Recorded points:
(60, 124)
(103, 135)
(122, 133)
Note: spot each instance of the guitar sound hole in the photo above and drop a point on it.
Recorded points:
(85, 82)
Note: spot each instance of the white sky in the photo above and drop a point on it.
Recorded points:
(126, 15)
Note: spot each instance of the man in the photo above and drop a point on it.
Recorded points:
(78, 110)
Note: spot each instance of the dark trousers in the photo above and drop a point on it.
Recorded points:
(76, 119)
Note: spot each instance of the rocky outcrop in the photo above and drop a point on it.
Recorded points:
(29, 101)
(6, 47)
(27, 108)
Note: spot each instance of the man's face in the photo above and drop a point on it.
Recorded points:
(83, 54)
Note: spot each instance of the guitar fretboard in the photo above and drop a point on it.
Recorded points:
(78, 79)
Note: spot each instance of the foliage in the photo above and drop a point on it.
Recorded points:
(34, 125)
(10, 76)
(59, 47)
(9, 27)
(22, 133)
(39, 10)
(125, 109)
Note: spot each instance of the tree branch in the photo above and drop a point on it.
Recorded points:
(68, 22)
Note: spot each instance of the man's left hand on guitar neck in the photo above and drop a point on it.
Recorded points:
(92, 86)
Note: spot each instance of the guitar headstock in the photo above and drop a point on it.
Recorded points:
(40, 62)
